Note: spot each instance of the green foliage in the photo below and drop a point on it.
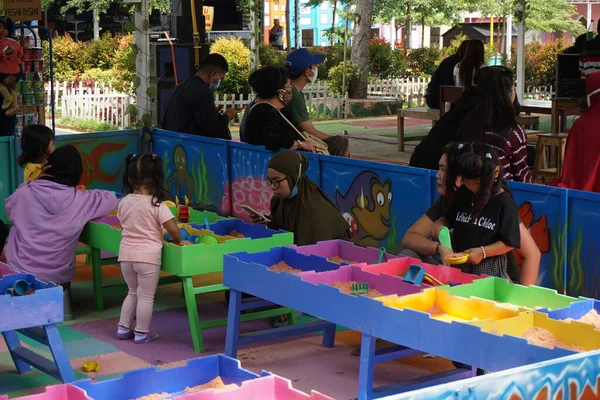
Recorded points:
(422, 62)
(381, 58)
(239, 58)
(540, 62)
(335, 76)
(87, 125)
(333, 57)
(123, 70)
(67, 56)
(453, 47)
(99, 53)
(270, 56)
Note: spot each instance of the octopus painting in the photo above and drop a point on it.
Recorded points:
(366, 207)
(181, 182)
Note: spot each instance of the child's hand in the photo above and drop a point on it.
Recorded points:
(43, 169)
(475, 256)
(258, 220)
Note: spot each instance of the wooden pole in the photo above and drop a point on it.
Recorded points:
(345, 52)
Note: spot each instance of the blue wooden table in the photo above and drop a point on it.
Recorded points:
(412, 331)
(33, 308)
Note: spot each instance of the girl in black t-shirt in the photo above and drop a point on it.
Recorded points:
(481, 212)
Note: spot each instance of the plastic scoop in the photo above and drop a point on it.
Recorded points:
(381, 254)
(206, 225)
(414, 275)
(444, 237)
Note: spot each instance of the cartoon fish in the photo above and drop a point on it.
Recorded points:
(91, 162)
(366, 207)
(538, 229)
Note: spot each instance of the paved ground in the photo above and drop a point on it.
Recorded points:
(371, 138)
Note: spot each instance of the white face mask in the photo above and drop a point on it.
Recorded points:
(315, 72)
(589, 97)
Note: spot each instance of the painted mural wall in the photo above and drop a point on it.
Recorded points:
(7, 175)
(575, 377)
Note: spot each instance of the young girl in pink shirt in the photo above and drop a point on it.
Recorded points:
(142, 214)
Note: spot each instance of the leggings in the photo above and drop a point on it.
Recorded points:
(142, 280)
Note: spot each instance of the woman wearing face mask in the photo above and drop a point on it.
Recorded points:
(302, 67)
(264, 124)
(299, 205)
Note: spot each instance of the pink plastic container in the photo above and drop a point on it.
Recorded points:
(399, 266)
(266, 388)
(58, 392)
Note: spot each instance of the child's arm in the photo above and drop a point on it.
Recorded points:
(531, 255)
(173, 229)
(476, 254)
(165, 217)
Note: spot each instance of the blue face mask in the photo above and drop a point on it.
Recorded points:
(215, 86)
(294, 191)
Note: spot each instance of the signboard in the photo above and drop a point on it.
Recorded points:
(23, 10)
(209, 15)
(244, 35)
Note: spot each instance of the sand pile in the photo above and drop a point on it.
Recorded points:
(236, 234)
(339, 260)
(216, 384)
(591, 318)
(544, 338)
(346, 287)
(155, 396)
(283, 267)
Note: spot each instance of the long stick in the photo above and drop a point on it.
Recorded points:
(345, 51)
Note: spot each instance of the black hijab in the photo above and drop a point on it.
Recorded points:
(310, 214)
(66, 166)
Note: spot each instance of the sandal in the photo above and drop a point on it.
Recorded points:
(150, 337)
(126, 335)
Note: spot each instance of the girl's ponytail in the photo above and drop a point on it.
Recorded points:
(145, 170)
(127, 186)
(158, 180)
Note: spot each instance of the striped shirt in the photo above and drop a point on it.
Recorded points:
(512, 154)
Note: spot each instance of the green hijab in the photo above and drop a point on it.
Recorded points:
(310, 215)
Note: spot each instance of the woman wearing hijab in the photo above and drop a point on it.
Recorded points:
(299, 205)
(48, 215)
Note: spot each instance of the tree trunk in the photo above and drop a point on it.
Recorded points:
(332, 38)
(360, 47)
(287, 26)
(423, 31)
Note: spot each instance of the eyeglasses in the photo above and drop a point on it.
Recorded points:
(275, 182)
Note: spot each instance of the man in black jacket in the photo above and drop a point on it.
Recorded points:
(443, 76)
(191, 107)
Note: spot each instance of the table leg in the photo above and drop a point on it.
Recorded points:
(61, 359)
(329, 336)
(192, 310)
(233, 323)
(13, 342)
(400, 133)
(367, 363)
(563, 121)
(554, 117)
(97, 279)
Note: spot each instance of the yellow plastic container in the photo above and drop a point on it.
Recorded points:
(569, 333)
(443, 306)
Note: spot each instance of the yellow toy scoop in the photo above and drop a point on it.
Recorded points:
(458, 258)
(91, 366)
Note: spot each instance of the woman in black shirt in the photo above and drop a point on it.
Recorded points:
(264, 124)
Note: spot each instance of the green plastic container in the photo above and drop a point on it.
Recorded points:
(500, 290)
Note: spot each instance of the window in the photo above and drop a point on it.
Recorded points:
(324, 19)
(276, 8)
(267, 9)
(323, 44)
(325, 6)
(267, 21)
(304, 10)
(305, 21)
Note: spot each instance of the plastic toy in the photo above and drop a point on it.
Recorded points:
(444, 237)
(168, 237)
(90, 366)
(206, 224)
(360, 288)
(183, 214)
(20, 288)
(184, 234)
(381, 254)
(414, 275)
(193, 239)
(457, 259)
(208, 239)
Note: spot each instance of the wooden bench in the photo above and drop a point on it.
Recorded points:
(419, 113)
(532, 135)
(528, 121)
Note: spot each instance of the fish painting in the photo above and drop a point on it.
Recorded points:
(366, 207)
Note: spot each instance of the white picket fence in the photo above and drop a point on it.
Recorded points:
(105, 104)
(98, 103)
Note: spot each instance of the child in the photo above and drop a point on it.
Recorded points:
(11, 54)
(48, 215)
(142, 215)
(483, 215)
(37, 143)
